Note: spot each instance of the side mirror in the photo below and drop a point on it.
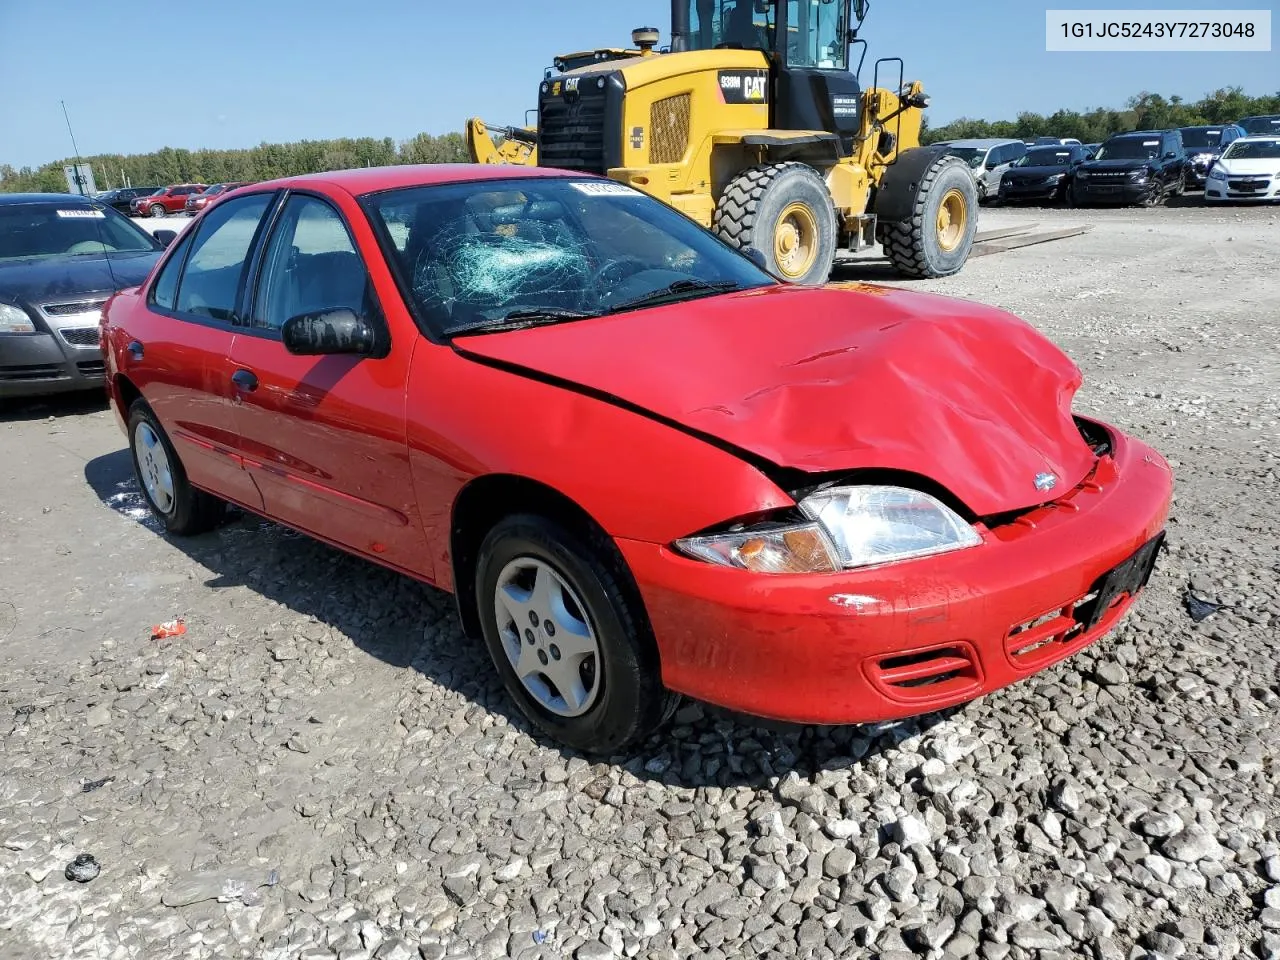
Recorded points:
(165, 237)
(1171, 155)
(335, 331)
(991, 164)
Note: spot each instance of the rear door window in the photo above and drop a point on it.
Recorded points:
(210, 285)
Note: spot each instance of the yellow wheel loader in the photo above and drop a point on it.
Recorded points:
(753, 124)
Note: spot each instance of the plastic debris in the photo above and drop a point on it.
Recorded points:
(26, 710)
(1198, 607)
(170, 628)
(223, 886)
(539, 936)
(82, 869)
(91, 785)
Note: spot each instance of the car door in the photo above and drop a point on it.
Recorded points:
(1172, 161)
(325, 435)
(181, 359)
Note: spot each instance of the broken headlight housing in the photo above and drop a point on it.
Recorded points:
(845, 527)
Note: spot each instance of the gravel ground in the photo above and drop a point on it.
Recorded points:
(322, 768)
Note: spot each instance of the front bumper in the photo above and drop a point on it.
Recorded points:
(1233, 189)
(908, 638)
(38, 364)
(1040, 190)
(1127, 191)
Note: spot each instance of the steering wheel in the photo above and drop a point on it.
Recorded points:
(614, 272)
(90, 246)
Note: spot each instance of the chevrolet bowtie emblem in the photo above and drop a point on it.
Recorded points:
(1046, 481)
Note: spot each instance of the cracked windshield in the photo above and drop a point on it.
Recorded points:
(488, 255)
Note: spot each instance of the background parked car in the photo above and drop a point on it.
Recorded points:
(1055, 141)
(1268, 124)
(166, 200)
(1045, 173)
(121, 198)
(1203, 145)
(198, 201)
(61, 257)
(1249, 169)
(988, 159)
(1145, 166)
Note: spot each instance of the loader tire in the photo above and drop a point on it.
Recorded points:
(936, 239)
(784, 210)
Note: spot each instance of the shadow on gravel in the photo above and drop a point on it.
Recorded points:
(16, 409)
(407, 624)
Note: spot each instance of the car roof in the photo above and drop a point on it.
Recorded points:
(1209, 126)
(1258, 137)
(1140, 133)
(16, 198)
(373, 179)
(981, 142)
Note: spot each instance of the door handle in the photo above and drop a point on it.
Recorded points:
(245, 380)
(135, 350)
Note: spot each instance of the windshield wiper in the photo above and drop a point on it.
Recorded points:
(680, 290)
(519, 319)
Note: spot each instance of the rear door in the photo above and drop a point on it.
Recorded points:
(181, 358)
(325, 435)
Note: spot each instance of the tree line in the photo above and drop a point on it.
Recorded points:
(1146, 111)
(266, 161)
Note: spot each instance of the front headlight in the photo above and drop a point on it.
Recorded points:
(854, 526)
(1217, 173)
(1138, 175)
(881, 524)
(15, 320)
(1082, 174)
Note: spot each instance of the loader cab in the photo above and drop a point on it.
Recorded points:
(806, 43)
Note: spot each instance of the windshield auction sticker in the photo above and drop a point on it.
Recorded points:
(604, 189)
(1152, 31)
(81, 214)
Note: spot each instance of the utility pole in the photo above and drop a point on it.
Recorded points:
(74, 149)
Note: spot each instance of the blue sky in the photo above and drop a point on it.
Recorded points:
(279, 70)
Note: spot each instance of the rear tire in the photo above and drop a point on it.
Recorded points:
(784, 210)
(182, 508)
(936, 240)
(621, 699)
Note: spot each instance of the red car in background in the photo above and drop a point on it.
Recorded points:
(643, 466)
(198, 201)
(166, 201)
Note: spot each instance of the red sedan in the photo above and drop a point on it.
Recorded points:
(643, 466)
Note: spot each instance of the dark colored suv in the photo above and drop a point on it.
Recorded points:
(1145, 166)
(121, 198)
(1204, 145)
(1262, 125)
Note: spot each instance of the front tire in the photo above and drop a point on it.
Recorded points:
(784, 210)
(178, 505)
(156, 211)
(587, 672)
(936, 240)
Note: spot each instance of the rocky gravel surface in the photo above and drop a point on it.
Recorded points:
(322, 767)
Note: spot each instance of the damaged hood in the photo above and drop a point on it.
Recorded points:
(837, 378)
